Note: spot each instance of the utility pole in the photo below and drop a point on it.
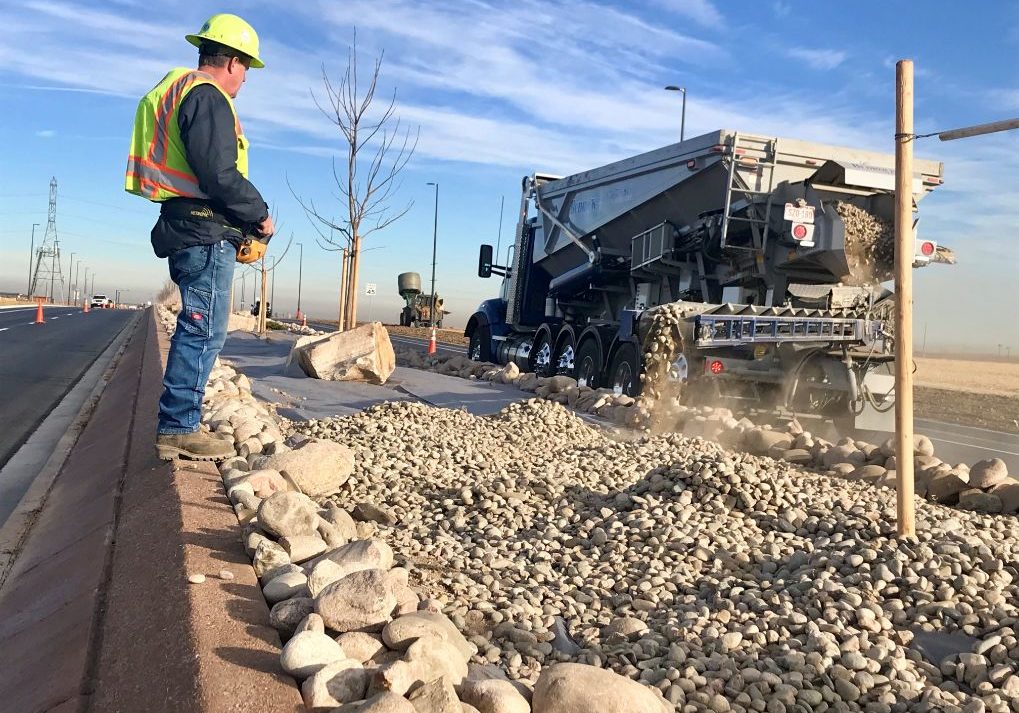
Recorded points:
(93, 290)
(77, 269)
(50, 248)
(300, 272)
(261, 306)
(905, 519)
(435, 242)
(84, 286)
(31, 254)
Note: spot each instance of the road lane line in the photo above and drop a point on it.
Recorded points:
(4, 329)
(932, 433)
(970, 445)
(959, 425)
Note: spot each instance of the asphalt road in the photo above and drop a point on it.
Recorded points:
(39, 363)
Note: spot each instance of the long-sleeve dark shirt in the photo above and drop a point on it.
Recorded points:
(210, 142)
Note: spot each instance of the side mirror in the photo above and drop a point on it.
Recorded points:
(485, 261)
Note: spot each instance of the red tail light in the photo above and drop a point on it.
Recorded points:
(927, 248)
(799, 231)
(717, 367)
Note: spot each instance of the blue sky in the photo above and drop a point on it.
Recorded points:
(500, 90)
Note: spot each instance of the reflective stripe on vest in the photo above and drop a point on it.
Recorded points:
(150, 175)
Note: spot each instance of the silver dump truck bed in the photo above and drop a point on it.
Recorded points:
(689, 179)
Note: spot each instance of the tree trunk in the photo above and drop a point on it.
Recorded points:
(341, 318)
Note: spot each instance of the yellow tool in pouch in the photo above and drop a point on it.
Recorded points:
(250, 250)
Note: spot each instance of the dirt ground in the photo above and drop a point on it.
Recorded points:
(447, 336)
(973, 376)
(970, 392)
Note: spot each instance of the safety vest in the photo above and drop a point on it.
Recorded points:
(157, 167)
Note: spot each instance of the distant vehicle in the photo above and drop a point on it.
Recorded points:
(255, 308)
(418, 306)
(101, 302)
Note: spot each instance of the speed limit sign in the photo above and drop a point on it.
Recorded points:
(369, 289)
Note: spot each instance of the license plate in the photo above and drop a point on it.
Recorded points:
(797, 214)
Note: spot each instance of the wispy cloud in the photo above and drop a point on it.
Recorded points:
(781, 8)
(46, 133)
(702, 12)
(818, 58)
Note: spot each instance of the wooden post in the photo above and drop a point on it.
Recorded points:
(904, 249)
(341, 318)
(261, 305)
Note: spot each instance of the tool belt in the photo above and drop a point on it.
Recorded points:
(196, 209)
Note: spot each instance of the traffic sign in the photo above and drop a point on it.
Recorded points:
(369, 289)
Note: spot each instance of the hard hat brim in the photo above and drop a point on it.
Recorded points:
(196, 40)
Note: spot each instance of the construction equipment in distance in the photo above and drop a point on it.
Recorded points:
(417, 308)
(773, 250)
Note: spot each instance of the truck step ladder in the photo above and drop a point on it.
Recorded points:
(748, 195)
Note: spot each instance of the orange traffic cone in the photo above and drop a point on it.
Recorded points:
(39, 318)
(85, 309)
(431, 343)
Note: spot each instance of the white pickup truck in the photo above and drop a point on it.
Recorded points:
(101, 302)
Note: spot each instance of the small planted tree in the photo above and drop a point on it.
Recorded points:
(377, 149)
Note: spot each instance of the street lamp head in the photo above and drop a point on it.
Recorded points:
(674, 88)
(431, 183)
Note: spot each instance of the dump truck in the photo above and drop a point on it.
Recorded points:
(417, 307)
(775, 253)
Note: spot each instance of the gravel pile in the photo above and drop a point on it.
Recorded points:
(725, 580)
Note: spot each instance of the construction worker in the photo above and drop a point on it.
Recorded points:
(189, 154)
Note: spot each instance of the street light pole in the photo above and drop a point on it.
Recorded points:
(435, 242)
(300, 273)
(682, 121)
(70, 271)
(77, 269)
(31, 254)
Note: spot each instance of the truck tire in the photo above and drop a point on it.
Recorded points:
(624, 374)
(480, 346)
(540, 359)
(589, 364)
(564, 358)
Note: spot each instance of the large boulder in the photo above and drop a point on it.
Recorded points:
(578, 688)
(315, 468)
(308, 652)
(978, 500)
(362, 601)
(760, 440)
(435, 696)
(288, 514)
(494, 696)
(1008, 493)
(988, 473)
(946, 487)
(403, 631)
(361, 354)
(343, 681)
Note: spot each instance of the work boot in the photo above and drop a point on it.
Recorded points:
(193, 446)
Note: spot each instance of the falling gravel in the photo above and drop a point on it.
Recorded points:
(726, 580)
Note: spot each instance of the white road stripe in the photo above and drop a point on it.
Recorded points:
(936, 433)
(4, 329)
(968, 428)
(971, 445)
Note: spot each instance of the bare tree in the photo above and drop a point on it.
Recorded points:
(377, 150)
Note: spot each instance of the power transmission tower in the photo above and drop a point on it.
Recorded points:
(47, 264)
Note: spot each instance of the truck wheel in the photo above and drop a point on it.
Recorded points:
(480, 346)
(589, 365)
(540, 359)
(624, 374)
(565, 359)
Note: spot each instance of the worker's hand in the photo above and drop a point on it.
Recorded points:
(266, 228)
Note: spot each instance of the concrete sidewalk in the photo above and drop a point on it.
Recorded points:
(97, 613)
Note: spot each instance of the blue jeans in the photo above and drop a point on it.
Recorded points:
(204, 274)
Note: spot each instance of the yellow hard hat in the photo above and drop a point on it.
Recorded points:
(229, 31)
